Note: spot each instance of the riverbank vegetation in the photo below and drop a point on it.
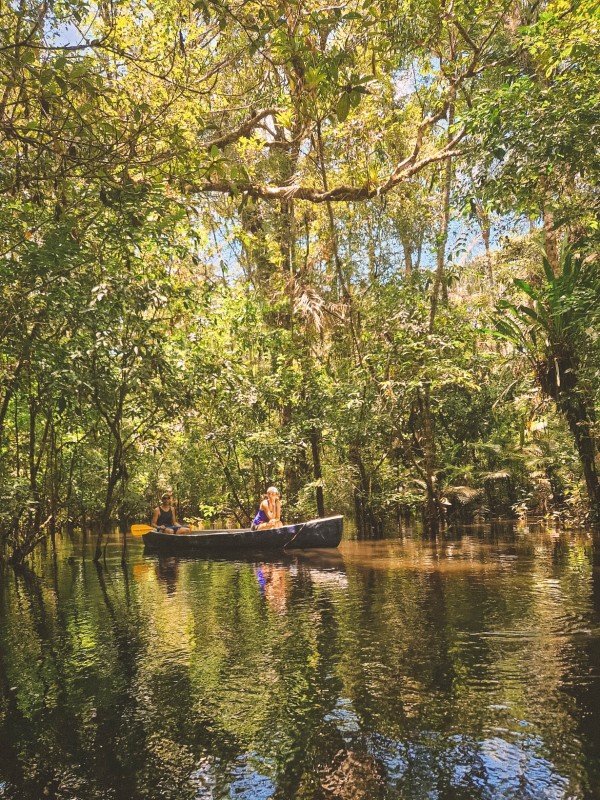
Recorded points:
(350, 249)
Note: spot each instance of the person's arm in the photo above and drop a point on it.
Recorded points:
(174, 516)
(154, 519)
(267, 509)
(278, 510)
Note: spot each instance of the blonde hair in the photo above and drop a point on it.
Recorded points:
(273, 489)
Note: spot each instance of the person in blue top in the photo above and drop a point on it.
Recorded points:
(164, 517)
(269, 512)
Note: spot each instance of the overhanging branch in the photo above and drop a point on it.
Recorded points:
(245, 129)
(344, 193)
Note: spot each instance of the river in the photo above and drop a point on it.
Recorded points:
(401, 668)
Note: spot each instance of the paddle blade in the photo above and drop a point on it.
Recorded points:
(140, 530)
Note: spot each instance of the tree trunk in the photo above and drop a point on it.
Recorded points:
(9, 389)
(558, 377)
(365, 518)
(483, 218)
(408, 259)
(550, 241)
(581, 420)
(431, 516)
(316, 456)
(115, 474)
(440, 284)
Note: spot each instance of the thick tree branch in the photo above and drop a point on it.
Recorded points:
(403, 171)
(245, 129)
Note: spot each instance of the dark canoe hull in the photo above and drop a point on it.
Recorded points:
(316, 533)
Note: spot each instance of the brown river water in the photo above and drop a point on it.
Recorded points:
(462, 668)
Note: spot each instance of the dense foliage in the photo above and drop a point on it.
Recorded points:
(256, 242)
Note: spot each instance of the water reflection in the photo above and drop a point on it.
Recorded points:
(167, 572)
(463, 668)
(272, 582)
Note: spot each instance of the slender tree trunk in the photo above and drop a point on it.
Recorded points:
(483, 218)
(315, 441)
(440, 284)
(114, 475)
(68, 505)
(9, 390)
(432, 518)
(54, 483)
(365, 518)
(408, 258)
(550, 241)
(17, 447)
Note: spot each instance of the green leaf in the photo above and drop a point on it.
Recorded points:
(79, 69)
(527, 288)
(532, 314)
(510, 332)
(343, 107)
(548, 270)
(505, 304)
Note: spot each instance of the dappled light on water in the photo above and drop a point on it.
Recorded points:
(467, 667)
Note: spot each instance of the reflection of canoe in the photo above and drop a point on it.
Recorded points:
(317, 559)
(315, 533)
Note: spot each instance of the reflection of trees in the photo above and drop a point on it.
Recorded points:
(424, 668)
(120, 738)
(316, 761)
(43, 723)
(10, 763)
(167, 572)
(385, 685)
(586, 693)
(109, 729)
(270, 676)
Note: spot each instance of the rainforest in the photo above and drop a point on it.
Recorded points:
(347, 249)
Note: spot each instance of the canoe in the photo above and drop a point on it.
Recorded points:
(315, 533)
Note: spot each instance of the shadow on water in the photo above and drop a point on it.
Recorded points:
(466, 666)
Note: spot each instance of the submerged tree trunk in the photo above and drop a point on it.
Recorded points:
(581, 419)
(432, 506)
(558, 379)
(315, 441)
(365, 517)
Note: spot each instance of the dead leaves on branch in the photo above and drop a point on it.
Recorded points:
(312, 307)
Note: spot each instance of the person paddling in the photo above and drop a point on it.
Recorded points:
(269, 512)
(164, 517)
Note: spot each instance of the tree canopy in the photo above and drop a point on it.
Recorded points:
(247, 242)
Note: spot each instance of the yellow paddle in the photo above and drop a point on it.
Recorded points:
(140, 530)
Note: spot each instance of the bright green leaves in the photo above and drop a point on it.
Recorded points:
(534, 127)
(343, 107)
(559, 311)
(351, 95)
